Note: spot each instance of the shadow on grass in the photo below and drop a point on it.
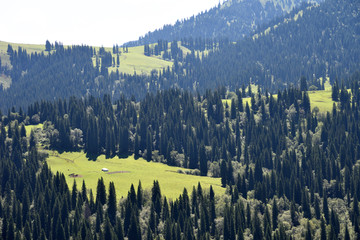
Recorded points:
(123, 155)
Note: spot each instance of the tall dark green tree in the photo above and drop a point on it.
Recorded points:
(100, 192)
(112, 206)
(203, 161)
(303, 84)
(47, 46)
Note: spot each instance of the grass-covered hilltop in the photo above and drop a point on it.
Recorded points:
(253, 135)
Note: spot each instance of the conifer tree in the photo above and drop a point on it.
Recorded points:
(317, 208)
(84, 192)
(74, 193)
(149, 235)
(257, 229)
(139, 196)
(223, 173)
(303, 84)
(134, 232)
(325, 207)
(233, 109)
(346, 235)
(275, 213)
(119, 229)
(267, 225)
(148, 146)
(294, 218)
(203, 161)
(308, 235)
(108, 230)
(323, 229)
(100, 192)
(111, 210)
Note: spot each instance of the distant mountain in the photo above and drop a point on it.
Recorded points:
(234, 19)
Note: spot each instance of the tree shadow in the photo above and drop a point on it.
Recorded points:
(123, 155)
(92, 156)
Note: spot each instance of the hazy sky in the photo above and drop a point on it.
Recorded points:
(104, 22)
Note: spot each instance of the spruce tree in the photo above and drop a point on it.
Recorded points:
(100, 192)
(74, 195)
(203, 161)
(148, 146)
(134, 232)
(275, 213)
(111, 210)
(346, 235)
(232, 109)
(323, 229)
(119, 229)
(308, 235)
(140, 199)
(257, 229)
(223, 173)
(325, 207)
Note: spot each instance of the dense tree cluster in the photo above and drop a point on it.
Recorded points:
(275, 157)
(64, 72)
(315, 45)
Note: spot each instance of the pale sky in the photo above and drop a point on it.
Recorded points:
(96, 23)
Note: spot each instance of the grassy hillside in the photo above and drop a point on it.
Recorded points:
(5, 59)
(30, 48)
(131, 171)
(320, 99)
(136, 61)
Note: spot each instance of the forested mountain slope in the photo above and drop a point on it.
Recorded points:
(317, 41)
(234, 20)
(289, 172)
(313, 41)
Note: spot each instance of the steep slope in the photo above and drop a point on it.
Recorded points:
(318, 41)
(234, 19)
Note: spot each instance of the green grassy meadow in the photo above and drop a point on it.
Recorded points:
(320, 99)
(133, 61)
(171, 182)
(136, 61)
(28, 128)
(30, 48)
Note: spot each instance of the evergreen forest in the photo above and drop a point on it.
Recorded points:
(235, 107)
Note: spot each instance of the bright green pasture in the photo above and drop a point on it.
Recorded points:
(28, 128)
(133, 61)
(136, 61)
(171, 182)
(30, 48)
(321, 99)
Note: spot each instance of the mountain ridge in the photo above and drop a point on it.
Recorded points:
(233, 20)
